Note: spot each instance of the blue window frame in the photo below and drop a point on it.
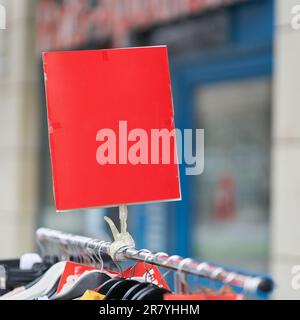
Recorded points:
(248, 54)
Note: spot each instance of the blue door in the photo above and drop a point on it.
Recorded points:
(227, 92)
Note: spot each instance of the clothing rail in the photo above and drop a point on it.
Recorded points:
(250, 284)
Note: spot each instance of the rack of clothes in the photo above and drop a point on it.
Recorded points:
(74, 267)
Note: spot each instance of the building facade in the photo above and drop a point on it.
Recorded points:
(220, 53)
(234, 73)
(19, 123)
(286, 152)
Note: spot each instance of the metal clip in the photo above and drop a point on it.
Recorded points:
(123, 239)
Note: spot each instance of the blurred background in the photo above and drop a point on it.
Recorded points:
(234, 68)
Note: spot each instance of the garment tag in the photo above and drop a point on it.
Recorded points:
(145, 272)
(71, 274)
(140, 272)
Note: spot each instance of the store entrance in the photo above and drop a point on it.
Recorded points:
(232, 195)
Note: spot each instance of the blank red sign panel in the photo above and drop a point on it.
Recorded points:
(104, 109)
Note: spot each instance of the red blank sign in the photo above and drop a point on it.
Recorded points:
(88, 91)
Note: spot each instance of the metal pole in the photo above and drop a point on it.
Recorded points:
(249, 283)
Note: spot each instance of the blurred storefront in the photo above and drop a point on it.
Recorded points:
(221, 65)
(243, 210)
(222, 81)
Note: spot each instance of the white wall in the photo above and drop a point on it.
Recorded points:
(18, 130)
(286, 152)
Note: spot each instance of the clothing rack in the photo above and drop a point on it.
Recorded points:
(63, 242)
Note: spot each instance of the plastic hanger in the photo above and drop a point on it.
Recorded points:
(135, 289)
(104, 288)
(88, 281)
(151, 293)
(53, 290)
(19, 289)
(18, 276)
(117, 291)
(43, 286)
(181, 284)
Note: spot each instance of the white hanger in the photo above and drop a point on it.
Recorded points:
(42, 286)
(101, 270)
(80, 278)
